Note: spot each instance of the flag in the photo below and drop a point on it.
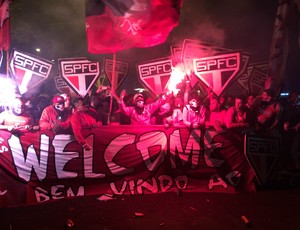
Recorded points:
(114, 25)
(4, 25)
(282, 44)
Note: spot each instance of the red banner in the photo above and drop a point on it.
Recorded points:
(127, 160)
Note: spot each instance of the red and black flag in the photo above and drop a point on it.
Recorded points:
(122, 24)
(4, 24)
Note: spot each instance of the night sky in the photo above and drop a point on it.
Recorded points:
(58, 28)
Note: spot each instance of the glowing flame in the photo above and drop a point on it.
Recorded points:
(7, 91)
(188, 69)
(177, 76)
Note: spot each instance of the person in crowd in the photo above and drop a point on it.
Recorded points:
(100, 101)
(37, 104)
(84, 117)
(210, 95)
(292, 114)
(149, 100)
(140, 113)
(94, 100)
(179, 101)
(107, 106)
(96, 103)
(222, 103)
(68, 104)
(293, 98)
(176, 119)
(194, 112)
(229, 102)
(128, 101)
(250, 99)
(160, 115)
(54, 117)
(215, 116)
(291, 126)
(238, 115)
(17, 118)
(269, 112)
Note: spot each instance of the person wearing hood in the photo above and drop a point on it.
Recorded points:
(56, 118)
(84, 117)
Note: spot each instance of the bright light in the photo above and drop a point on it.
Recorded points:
(284, 94)
(177, 76)
(7, 91)
(38, 50)
(140, 90)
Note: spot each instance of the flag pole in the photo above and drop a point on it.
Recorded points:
(7, 64)
(113, 86)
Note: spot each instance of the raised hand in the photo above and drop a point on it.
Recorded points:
(122, 94)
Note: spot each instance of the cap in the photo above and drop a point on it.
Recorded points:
(58, 100)
(138, 97)
(64, 95)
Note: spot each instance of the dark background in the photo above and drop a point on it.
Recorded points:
(58, 28)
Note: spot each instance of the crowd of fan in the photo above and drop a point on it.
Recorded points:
(261, 114)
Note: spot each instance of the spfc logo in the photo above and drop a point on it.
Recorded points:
(156, 75)
(217, 71)
(121, 71)
(257, 80)
(79, 73)
(252, 80)
(62, 86)
(192, 49)
(262, 154)
(176, 52)
(29, 71)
